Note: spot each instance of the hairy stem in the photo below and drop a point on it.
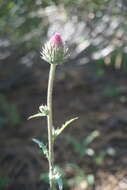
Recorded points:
(50, 125)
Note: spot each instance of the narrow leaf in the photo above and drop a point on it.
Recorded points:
(58, 177)
(69, 122)
(66, 124)
(36, 115)
(42, 146)
(60, 183)
(39, 143)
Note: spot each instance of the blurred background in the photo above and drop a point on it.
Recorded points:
(92, 84)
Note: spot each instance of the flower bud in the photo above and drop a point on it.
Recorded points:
(54, 50)
(56, 40)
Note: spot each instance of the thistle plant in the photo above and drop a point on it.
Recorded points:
(54, 52)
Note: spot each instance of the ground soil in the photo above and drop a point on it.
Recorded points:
(100, 102)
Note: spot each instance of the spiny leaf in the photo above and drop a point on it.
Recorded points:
(60, 183)
(42, 146)
(36, 115)
(39, 143)
(43, 111)
(66, 124)
(57, 175)
(69, 122)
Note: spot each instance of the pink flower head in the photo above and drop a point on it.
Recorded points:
(56, 40)
(54, 51)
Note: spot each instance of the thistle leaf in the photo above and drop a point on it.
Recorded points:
(60, 183)
(42, 146)
(57, 175)
(43, 111)
(36, 115)
(66, 124)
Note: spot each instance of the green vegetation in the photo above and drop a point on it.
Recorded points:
(9, 113)
(3, 182)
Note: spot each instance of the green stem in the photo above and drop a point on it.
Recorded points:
(50, 125)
